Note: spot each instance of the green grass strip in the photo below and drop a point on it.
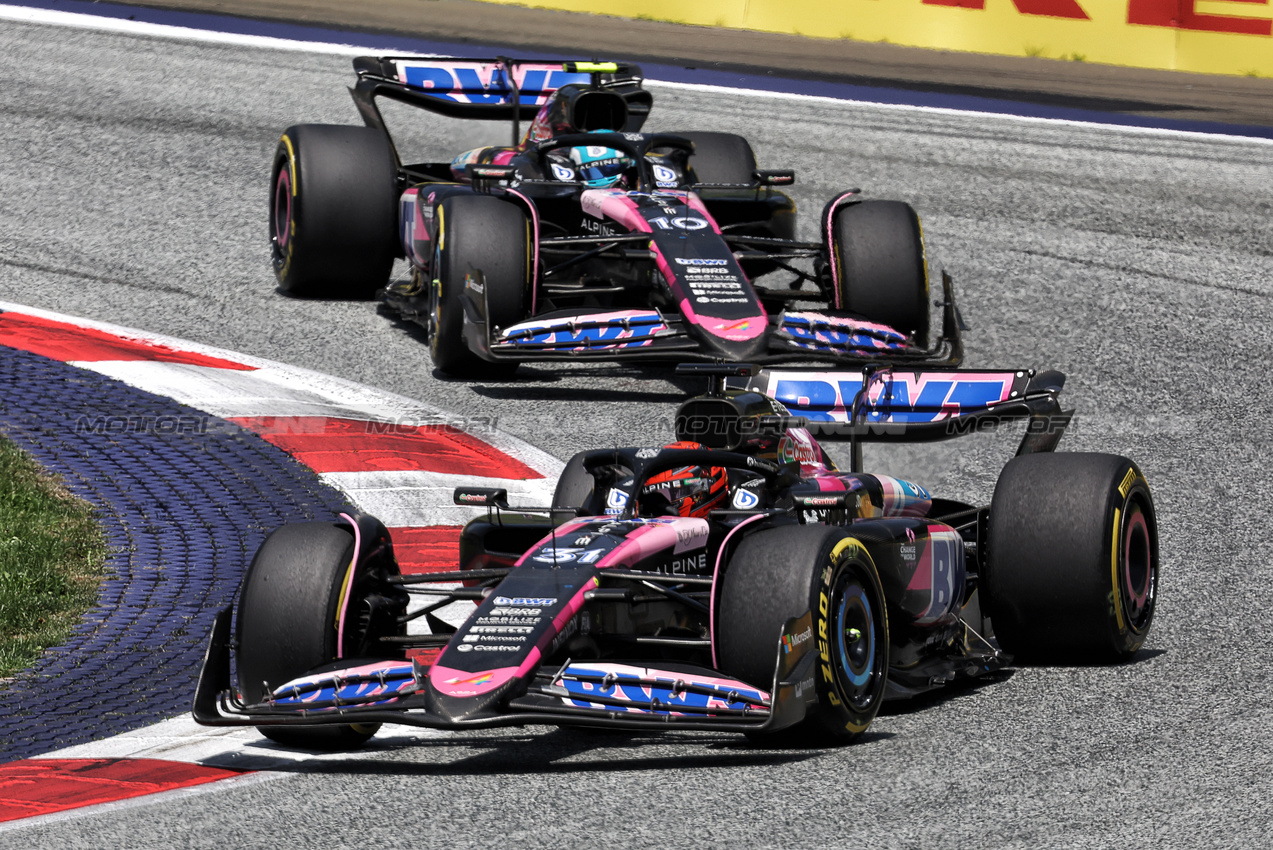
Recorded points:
(51, 556)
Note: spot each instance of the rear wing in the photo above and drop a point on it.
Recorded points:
(499, 89)
(889, 404)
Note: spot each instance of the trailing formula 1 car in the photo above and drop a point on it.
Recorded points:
(586, 237)
(735, 579)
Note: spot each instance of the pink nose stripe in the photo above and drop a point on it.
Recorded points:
(329, 444)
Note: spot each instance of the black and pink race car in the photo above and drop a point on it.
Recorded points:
(735, 579)
(588, 238)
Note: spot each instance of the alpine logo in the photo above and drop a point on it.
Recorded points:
(664, 177)
(616, 501)
(745, 500)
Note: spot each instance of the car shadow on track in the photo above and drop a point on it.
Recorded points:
(947, 693)
(565, 751)
(539, 392)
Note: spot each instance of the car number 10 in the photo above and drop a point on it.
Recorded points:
(684, 222)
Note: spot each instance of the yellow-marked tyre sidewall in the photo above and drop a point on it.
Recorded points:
(1055, 581)
(1133, 560)
(845, 717)
(282, 248)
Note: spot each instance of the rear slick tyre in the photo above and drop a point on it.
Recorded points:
(333, 211)
(721, 158)
(789, 571)
(1072, 569)
(574, 487)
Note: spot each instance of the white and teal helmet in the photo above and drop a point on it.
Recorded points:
(600, 167)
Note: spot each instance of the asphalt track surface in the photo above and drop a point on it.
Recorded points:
(134, 174)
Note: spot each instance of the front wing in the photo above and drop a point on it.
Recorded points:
(631, 695)
(648, 334)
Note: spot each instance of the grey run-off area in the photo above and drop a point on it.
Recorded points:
(135, 178)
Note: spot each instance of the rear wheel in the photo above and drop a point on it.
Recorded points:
(880, 272)
(1072, 572)
(721, 158)
(333, 210)
(482, 248)
(290, 619)
(792, 571)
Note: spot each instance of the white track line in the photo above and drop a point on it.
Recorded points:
(69, 19)
(119, 25)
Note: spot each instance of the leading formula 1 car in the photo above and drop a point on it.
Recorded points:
(586, 237)
(732, 580)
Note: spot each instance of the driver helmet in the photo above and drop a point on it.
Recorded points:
(690, 491)
(600, 167)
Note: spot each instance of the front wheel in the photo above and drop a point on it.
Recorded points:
(304, 603)
(791, 571)
(879, 270)
(482, 250)
(1072, 570)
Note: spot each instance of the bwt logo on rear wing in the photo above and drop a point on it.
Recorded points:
(488, 83)
(902, 397)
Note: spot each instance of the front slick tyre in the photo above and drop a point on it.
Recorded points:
(333, 211)
(1072, 571)
(881, 273)
(789, 571)
(287, 622)
(482, 250)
